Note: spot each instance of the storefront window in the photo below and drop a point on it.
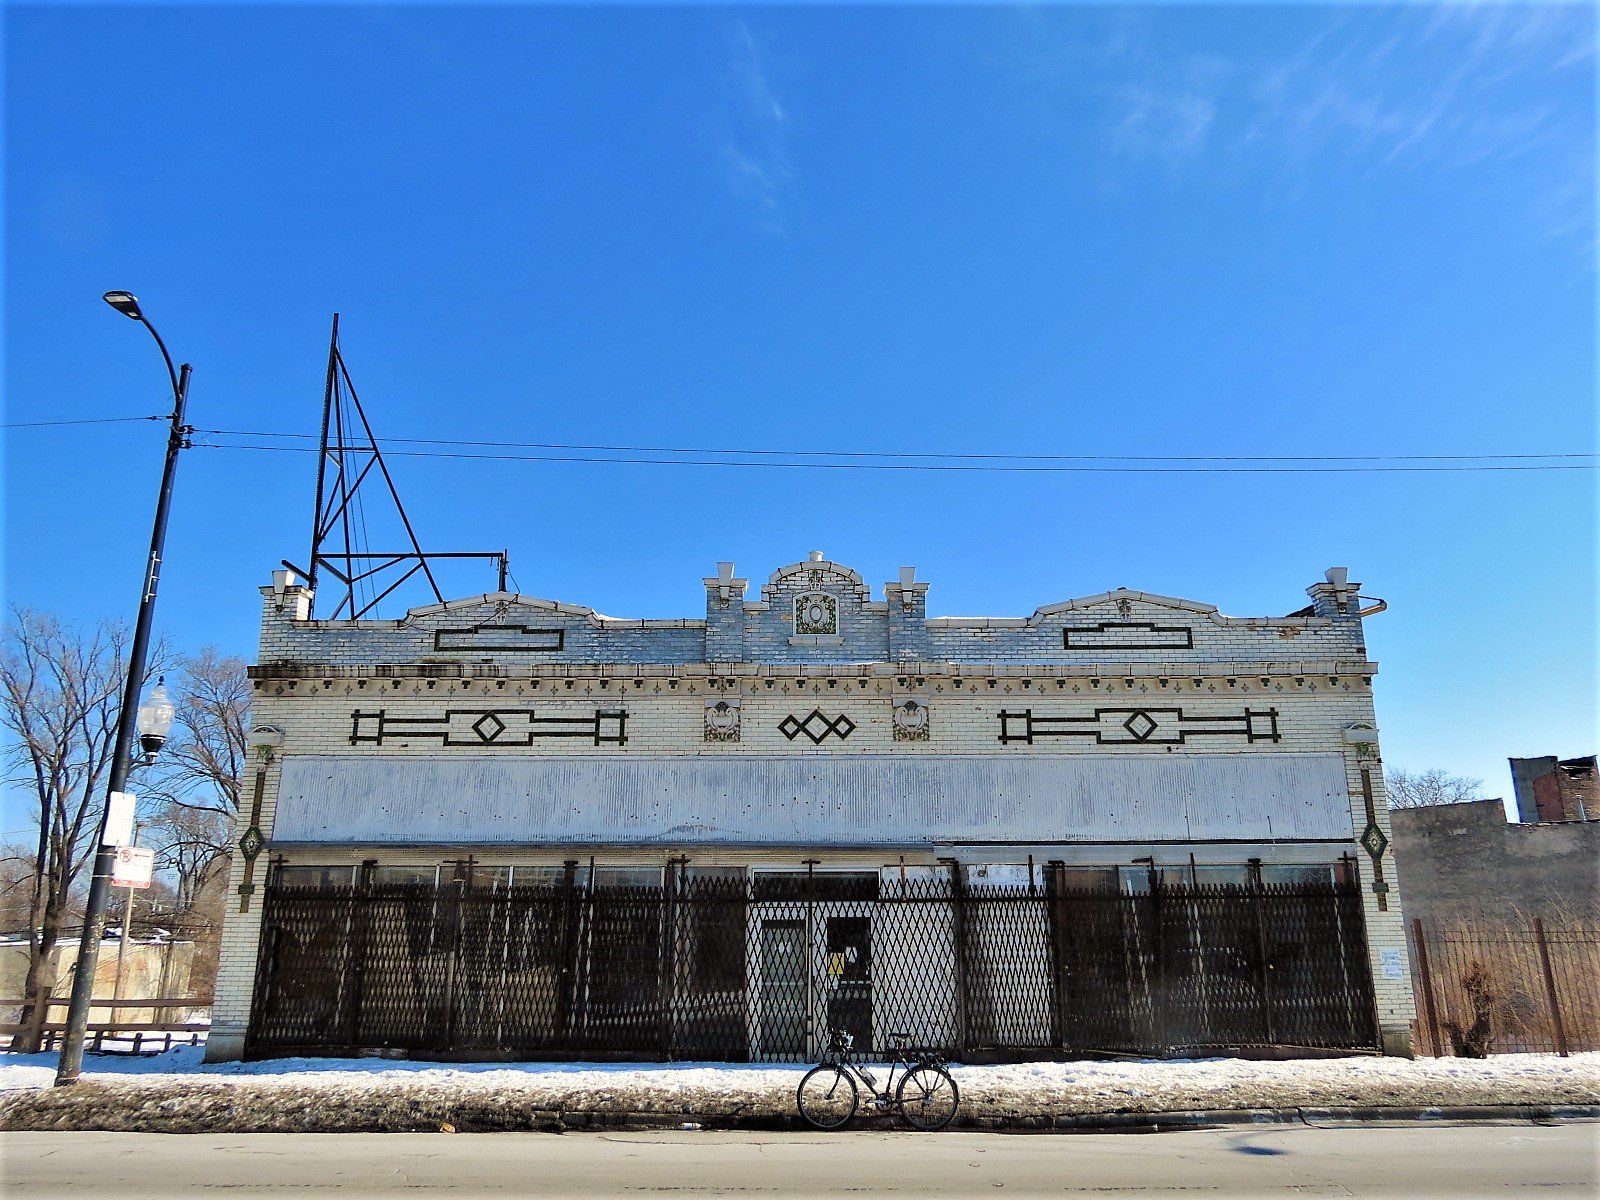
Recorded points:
(624, 877)
(298, 876)
(1295, 873)
(1089, 879)
(388, 876)
(538, 876)
(718, 916)
(1136, 880)
(819, 885)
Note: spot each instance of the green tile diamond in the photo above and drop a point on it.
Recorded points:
(252, 842)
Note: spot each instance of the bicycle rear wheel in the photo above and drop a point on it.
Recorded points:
(928, 1097)
(826, 1097)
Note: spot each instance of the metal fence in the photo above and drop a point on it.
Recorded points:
(1503, 988)
(737, 967)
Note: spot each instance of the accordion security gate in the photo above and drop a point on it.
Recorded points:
(757, 968)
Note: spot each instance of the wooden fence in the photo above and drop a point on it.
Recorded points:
(160, 1031)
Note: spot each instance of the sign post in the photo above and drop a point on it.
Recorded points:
(133, 868)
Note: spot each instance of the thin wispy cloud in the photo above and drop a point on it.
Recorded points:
(1391, 86)
(1373, 89)
(1164, 124)
(755, 149)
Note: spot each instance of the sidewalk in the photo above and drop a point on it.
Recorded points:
(176, 1092)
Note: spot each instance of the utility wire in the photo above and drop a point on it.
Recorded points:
(925, 455)
(90, 421)
(946, 466)
(921, 460)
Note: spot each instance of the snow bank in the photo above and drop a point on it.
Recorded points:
(177, 1092)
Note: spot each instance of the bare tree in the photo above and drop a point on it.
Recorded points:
(60, 695)
(203, 763)
(16, 885)
(1427, 788)
(191, 842)
(189, 810)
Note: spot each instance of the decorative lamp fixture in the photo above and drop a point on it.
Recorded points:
(264, 740)
(1363, 735)
(155, 720)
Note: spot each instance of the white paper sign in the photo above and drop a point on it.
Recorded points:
(134, 867)
(1393, 968)
(119, 819)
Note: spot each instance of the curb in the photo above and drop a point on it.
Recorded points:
(1316, 1117)
(51, 1111)
(1159, 1122)
(554, 1121)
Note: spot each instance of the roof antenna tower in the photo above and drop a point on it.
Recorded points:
(348, 457)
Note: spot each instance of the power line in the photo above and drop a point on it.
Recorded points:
(88, 421)
(925, 455)
(945, 466)
(601, 453)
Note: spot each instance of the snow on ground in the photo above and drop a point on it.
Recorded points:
(176, 1091)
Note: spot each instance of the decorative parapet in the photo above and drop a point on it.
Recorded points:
(814, 612)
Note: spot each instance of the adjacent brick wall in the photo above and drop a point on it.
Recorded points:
(1466, 865)
(1552, 789)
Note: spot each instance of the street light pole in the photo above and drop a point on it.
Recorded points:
(94, 916)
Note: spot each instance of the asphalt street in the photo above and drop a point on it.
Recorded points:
(1459, 1162)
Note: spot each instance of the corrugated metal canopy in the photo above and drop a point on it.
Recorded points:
(811, 801)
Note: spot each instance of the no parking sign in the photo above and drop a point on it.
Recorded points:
(134, 867)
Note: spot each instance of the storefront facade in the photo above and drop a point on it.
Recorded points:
(508, 827)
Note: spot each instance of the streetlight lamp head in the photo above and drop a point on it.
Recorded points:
(155, 719)
(125, 303)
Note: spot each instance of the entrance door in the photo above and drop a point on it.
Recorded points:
(849, 967)
(809, 973)
(782, 994)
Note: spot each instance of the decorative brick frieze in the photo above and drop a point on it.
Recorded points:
(722, 718)
(505, 631)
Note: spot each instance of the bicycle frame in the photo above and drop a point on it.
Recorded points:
(844, 1058)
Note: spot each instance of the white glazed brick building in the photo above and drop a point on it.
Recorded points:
(826, 755)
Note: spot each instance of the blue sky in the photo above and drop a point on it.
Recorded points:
(1081, 231)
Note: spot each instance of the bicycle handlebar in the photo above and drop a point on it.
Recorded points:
(839, 1039)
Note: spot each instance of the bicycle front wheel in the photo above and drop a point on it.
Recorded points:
(827, 1097)
(927, 1097)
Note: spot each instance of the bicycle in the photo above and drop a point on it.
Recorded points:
(926, 1097)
